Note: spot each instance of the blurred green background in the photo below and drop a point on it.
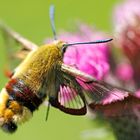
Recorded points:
(30, 18)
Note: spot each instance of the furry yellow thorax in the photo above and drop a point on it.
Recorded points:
(38, 63)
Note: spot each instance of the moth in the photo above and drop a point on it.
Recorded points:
(43, 75)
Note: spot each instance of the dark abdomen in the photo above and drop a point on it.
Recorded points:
(22, 93)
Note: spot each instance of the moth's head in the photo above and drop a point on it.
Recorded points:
(62, 45)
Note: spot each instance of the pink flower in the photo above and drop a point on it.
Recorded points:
(127, 25)
(137, 93)
(92, 59)
(124, 72)
(125, 14)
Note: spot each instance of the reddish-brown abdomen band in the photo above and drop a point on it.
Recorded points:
(22, 93)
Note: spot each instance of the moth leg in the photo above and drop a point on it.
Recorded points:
(47, 112)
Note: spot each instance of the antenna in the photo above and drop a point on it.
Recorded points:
(51, 14)
(92, 42)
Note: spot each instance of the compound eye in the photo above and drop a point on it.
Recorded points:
(9, 127)
(64, 47)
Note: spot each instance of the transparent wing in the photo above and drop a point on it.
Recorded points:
(17, 47)
(109, 100)
(103, 97)
(70, 95)
(98, 92)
